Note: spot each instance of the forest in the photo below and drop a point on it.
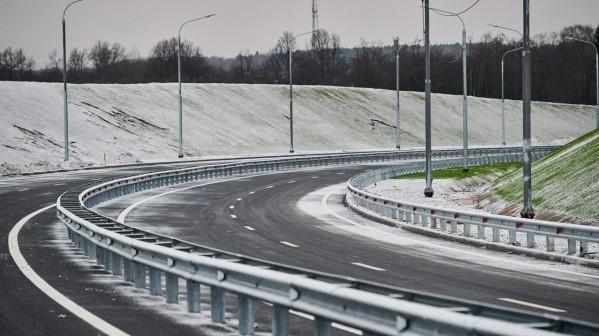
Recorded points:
(563, 70)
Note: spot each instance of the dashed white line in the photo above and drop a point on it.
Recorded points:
(251, 192)
(314, 177)
(341, 173)
(374, 268)
(233, 216)
(533, 305)
(311, 318)
(85, 315)
(59, 184)
(231, 207)
(239, 199)
(289, 244)
(249, 228)
(269, 187)
(291, 182)
(23, 189)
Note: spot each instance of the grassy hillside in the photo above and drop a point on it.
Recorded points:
(566, 181)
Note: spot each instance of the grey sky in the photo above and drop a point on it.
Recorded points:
(255, 25)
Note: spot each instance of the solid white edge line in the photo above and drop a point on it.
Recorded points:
(85, 315)
(533, 305)
(324, 204)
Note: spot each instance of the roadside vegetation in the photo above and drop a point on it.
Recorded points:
(473, 171)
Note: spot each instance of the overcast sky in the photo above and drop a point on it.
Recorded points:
(255, 25)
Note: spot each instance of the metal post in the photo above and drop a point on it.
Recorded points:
(291, 96)
(179, 75)
(397, 119)
(465, 100)
(428, 191)
(527, 210)
(280, 320)
(597, 81)
(64, 79)
(193, 297)
(502, 106)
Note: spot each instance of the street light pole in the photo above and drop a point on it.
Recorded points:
(503, 96)
(596, 71)
(527, 210)
(64, 79)
(397, 119)
(179, 73)
(428, 190)
(291, 86)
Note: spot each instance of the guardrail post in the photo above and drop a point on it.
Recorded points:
(117, 267)
(496, 234)
(99, 255)
(454, 226)
(530, 240)
(217, 304)
(128, 270)
(155, 282)
(443, 225)
(280, 320)
(481, 231)
(193, 297)
(172, 288)
(550, 244)
(107, 260)
(322, 327)
(246, 315)
(571, 246)
(139, 273)
(512, 236)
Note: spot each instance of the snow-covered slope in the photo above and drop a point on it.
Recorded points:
(128, 123)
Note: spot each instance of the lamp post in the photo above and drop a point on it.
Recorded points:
(464, 89)
(64, 78)
(596, 71)
(428, 190)
(527, 210)
(291, 85)
(502, 97)
(397, 120)
(179, 72)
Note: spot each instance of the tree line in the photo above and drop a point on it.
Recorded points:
(562, 70)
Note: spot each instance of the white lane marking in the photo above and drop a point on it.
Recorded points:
(231, 207)
(249, 228)
(289, 244)
(269, 187)
(23, 189)
(291, 182)
(342, 173)
(233, 216)
(251, 192)
(239, 199)
(314, 177)
(533, 305)
(323, 203)
(58, 184)
(13, 247)
(311, 318)
(369, 267)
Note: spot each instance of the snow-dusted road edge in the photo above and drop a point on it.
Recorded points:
(570, 259)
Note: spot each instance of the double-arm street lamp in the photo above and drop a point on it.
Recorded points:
(64, 78)
(596, 71)
(291, 85)
(179, 71)
(428, 189)
(397, 130)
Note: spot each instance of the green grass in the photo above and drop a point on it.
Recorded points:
(457, 173)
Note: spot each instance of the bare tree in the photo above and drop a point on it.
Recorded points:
(14, 65)
(326, 50)
(368, 64)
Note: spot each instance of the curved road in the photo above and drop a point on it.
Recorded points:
(259, 216)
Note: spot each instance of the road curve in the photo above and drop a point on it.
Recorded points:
(258, 216)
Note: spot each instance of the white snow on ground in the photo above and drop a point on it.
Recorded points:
(131, 123)
(463, 195)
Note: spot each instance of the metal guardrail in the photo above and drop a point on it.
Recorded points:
(448, 220)
(373, 308)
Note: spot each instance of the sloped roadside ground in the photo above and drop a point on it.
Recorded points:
(564, 182)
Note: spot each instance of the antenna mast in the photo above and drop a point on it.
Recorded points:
(314, 18)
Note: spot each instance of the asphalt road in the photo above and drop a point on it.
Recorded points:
(259, 216)
(256, 216)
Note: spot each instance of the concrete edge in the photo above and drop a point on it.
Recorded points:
(567, 259)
